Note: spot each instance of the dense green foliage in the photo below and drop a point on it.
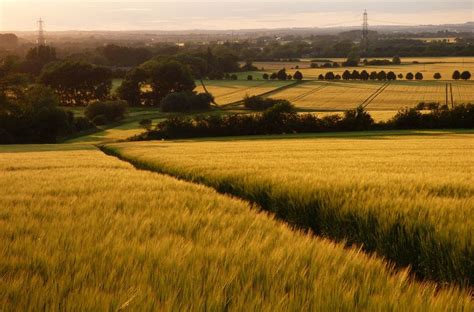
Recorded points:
(33, 116)
(101, 113)
(186, 101)
(77, 83)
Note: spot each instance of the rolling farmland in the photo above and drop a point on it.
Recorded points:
(408, 198)
(115, 238)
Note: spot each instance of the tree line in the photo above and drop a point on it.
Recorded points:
(382, 75)
(281, 118)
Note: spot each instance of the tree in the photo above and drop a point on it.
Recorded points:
(353, 59)
(419, 76)
(400, 76)
(265, 76)
(167, 77)
(282, 75)
(346, 75)
(249, 77)
(373, 75)
(337, 77)
(437, 76)
(364, 75)
(320, 77)
(77, 83)
(273, 76)
(329, 76)
(33, 116)
(355, 75)
(37, 57)
(466, 75)
(391, 76)
(396, 60)
(298, 75)
(131, 88)
(409, 76)
(456, 75)
(382, 75)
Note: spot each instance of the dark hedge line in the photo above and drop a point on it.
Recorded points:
(282, 119)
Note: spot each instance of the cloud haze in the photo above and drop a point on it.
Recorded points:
(180, 15)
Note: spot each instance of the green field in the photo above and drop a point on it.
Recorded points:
(409, 198)
(83, 231)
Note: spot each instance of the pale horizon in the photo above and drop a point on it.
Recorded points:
(126, 15)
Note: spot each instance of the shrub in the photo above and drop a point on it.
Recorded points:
(186, 101)
(108, 111)
(373, 75)
(265, 76)
(273, 76)
(400, 76)
(320, 77)
(409, 76)
(249, 77)
(233, 77)
(260, 103)
(146, 123)
(346, 75)
(437, 76)
(419, 76)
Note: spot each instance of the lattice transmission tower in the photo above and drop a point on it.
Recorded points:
(41, 41)
(365, 34)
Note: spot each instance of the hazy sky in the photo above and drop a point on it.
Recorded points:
(225, 14)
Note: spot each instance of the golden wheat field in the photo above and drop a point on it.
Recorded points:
(409, 198)
(375, 96)
(80, 230)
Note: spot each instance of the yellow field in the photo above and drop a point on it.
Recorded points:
(86, 232)
(343, 95)
(428, 67)
(226, 92)
(409, 198)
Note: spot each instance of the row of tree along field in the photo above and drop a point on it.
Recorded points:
(363, 75)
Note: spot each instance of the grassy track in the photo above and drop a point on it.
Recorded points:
(83, 231)
(408, 198)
